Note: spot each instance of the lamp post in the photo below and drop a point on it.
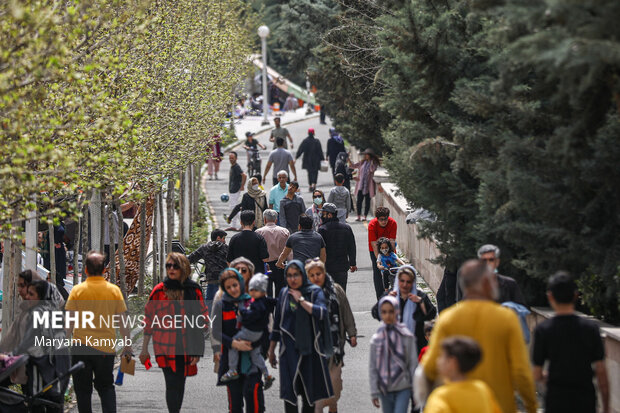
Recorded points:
(263, 32)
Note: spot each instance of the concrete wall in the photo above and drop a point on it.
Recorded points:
(611, 339)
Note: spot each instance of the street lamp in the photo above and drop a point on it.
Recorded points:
(263, 32)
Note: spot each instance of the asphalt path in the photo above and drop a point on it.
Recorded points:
(145, 392)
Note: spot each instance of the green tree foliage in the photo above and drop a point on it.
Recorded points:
(109, 94)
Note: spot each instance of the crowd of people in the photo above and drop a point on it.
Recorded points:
(277, 291)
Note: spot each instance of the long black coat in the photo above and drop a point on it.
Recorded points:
(311, 149)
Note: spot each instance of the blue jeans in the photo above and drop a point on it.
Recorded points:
(210, 295)
(395, 401)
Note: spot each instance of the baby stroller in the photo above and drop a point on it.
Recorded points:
(49, 399)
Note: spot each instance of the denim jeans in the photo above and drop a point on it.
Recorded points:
(395, 401)
(210, 292)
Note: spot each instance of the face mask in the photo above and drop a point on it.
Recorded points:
(385, 251)
(255, 187)
(318, 201)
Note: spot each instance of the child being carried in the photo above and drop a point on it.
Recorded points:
(254, 321)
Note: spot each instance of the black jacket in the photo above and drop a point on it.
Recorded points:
(214, 254)
(313, 153)
(508, 291)
(446, 294)
(256, 317)
(247, 204)
(418, 316)
(339, 245)
(333, 149)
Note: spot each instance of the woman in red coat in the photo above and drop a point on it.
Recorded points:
(172, 303)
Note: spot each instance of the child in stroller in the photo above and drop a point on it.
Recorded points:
(387, 262)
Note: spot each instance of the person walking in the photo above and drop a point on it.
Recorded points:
(177, 350)
(571, 346)
(312, 153)
(341, 324)
(382, 225)
(213, 162)
(236, 182)
(248, 243)
(392, 360)
(214, 254)
(291, 208)
(301, 327)
(247, 389)
(335, 145)
(275, 236)
(104, 300)
(340, 196)
(281, 159)
(415, 306)
(255, 199)
(340, 246)
(509, 290)
(278, 191)
(304, 244)
(505, 366)
(279, 132)
(365, 187)
(314, 212)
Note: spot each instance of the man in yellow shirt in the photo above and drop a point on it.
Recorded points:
(94, 344)
(459, 355)
(505, 366)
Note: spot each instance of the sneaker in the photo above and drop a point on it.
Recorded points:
(359, 218)
(269, 379)
(216, 177)
(229, 376)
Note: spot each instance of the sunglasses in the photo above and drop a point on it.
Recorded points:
(171, 265)
(243, 270)
(315, 259)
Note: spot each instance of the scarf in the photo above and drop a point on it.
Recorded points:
(338, 138)
(365, 176)
(410, 306)
(390, 349)
(334, 317)
(243, 296)
(194, 342)
(316, 216)
(260, 203)
(304, 331)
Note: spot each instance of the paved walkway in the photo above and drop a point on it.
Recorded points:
(144, 392)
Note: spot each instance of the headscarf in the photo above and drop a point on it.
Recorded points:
(410, 306)
(243, 296)
(334, 316)
(260, 203)
(336, 136)
(304, 333)
(390, 348)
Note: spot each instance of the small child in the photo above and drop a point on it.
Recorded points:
(460, 355)
(387, 259)
(392, 360)
(254, 320)
(428, 329)
(340, 196)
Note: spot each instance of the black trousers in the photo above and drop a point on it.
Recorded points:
(340, 278)
(276, 280)
(306, 407)
(313, 175)
(60, 284)
(366, 200)
(101, 366)
(377, 278)
(249, 389)
(175, 385)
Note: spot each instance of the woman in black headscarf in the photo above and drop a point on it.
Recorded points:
(301, 319)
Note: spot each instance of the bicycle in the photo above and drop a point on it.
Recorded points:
(254, 162)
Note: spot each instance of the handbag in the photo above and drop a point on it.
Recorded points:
(324, 166)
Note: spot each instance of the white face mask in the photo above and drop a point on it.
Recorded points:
(255, 187)
(318, 201)
(385, 251)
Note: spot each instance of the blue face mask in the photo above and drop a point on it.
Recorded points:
(318, 201)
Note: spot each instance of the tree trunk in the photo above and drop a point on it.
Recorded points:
(76, 250)
(31, 239)
(50, 230)
(162, 238)
(121, 251)
(102, 215)
(198, 189)
(143, 248)
(8, 283)
(155, 238)
(182, 201)
(112, 240)
(95, 221)
(85, 237)
(170, 214)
